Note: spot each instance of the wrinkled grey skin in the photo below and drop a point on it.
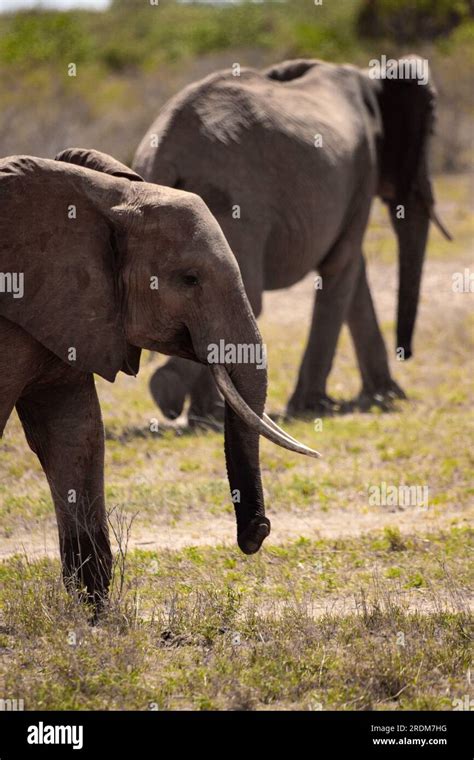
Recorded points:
(249, 141)
(87, 242)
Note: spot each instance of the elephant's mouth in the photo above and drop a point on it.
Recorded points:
(185, 345)
(262, 425)
(181, 345)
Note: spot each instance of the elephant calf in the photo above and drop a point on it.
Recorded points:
(96, 265)
(288, 160)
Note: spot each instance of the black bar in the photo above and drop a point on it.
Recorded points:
(141, 734)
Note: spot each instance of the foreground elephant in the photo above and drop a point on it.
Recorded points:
(289, 160)
(79, 252)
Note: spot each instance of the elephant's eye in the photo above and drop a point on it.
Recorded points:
(190, 280)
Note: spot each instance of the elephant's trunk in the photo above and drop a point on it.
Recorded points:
(242, 458)
(244, 387)
(412, 235)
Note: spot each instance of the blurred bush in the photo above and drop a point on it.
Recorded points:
(409, 21)
(133, 57)
(135, 34)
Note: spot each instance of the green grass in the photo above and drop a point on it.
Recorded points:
(211, 629)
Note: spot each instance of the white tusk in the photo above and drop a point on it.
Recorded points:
(439, 224)
(270, 431)
(273, 424)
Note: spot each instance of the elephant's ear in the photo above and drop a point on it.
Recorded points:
(407, 107)
(60, 263)
(289, 70)
(100, 162)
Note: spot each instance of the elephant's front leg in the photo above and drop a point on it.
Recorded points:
(377, 384)
(63, 426)
(330, 310)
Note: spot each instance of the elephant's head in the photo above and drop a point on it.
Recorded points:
(111, 265)
(404, 106)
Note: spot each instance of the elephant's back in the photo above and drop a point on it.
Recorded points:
(227, 109)
(287, 154)
(231, 108)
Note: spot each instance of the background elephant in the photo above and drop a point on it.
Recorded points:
(88, 246)
(288, 160)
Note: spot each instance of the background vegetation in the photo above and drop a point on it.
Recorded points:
(133, 57)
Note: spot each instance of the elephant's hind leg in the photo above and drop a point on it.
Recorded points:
(63, 426)
(377, 383)
(329, 313)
